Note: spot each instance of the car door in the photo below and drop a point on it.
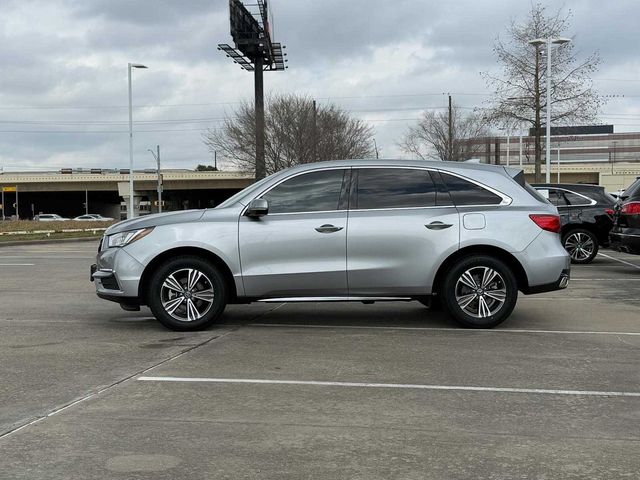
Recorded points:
(298, 248)
(400, 225)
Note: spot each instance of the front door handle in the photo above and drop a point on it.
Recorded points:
(438, 225)
(328, 228)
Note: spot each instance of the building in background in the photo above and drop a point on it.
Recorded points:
(582, 154)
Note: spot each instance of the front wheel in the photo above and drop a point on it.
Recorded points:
(479, 292)
(187, 293)
(581, 245)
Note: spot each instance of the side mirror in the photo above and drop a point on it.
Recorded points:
(258, 207)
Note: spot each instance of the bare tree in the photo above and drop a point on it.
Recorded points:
(429, 139)
(296, 131)
(520, 91)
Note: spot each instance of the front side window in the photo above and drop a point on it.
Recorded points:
(465, 192)
(394, 188)
(308, 192)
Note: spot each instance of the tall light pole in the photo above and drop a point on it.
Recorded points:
(548, 41)
(157, 157)
(131, 213)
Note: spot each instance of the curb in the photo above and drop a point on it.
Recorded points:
(44, 242)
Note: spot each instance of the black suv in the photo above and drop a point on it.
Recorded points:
(625, 235)
(586, 213)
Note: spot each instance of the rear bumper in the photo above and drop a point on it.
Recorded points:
(625, 240)
(559, 284)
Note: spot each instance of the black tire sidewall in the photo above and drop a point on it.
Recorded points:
(593, 238)
(449, 299)
(170, 266)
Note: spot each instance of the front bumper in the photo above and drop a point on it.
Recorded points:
(625, 240)
(117, 275)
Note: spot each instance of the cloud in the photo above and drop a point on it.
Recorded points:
(385, 61)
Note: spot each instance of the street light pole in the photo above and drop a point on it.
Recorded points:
(131, 213)
(520, 152)
(548, 41)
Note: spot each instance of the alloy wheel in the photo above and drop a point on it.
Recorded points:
(187, 294)
(481, 291)
(580, 246)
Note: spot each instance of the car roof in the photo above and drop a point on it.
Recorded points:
(436, 164)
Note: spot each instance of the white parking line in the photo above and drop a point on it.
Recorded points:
(621, 261)
(17, 264)
(410, 386)
(445, 329)
(573, 279)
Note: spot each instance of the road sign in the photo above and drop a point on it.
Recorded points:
(9, 189)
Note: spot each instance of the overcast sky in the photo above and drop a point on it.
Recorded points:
(63, 69)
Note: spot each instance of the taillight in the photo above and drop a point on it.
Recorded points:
(631, 208)
(609, 211)
(550, 223)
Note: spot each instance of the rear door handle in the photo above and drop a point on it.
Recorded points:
(438, 225)
(328, 228)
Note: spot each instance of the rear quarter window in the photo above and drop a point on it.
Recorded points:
(466, 193)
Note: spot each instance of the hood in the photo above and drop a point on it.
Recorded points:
(182, 216)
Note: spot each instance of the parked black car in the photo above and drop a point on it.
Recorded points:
(586, 212)
(625, 235)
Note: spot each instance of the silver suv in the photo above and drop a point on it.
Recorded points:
(464, 236)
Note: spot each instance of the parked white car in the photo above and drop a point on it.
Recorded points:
(93, 217)
(50, 217)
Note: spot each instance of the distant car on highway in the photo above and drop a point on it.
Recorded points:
(49, 217)
(625, 235)
(359, 230)
(586, 212)
(93, 217)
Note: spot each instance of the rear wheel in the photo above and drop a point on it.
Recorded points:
(581, 245)
(479, 292)
(187, 293)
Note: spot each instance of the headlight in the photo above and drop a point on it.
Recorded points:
(125, 238)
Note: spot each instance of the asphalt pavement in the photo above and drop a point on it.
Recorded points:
(340, 390)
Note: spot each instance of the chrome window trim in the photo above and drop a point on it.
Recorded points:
(591, 203)
(268, 189)
(506, 199)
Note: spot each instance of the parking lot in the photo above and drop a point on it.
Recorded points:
(340, 390)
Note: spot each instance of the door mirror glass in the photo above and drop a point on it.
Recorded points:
(258, 208)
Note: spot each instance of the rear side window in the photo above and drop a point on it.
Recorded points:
(394, 188)
(577, 200)
(556, 197)
(465, 192)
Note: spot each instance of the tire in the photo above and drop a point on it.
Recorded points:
(183, 307)
(581, 245)
(474, 304)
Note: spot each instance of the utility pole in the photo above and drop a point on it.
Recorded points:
(159, 187)
(375, 145)
(315, 131)
(215, 160)
(450, 131)
(159, 181)
(86, 201)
